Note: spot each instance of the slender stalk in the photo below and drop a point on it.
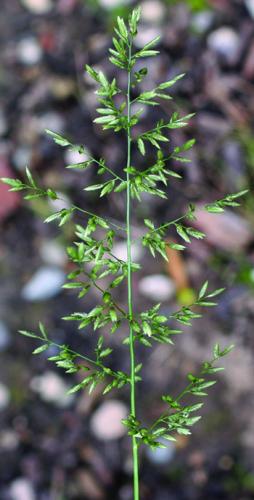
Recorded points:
(94, 215)
(130, 306)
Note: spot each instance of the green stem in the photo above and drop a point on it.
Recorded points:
(167, 224)
(102, 290)
(91, 214)
(61, 346)
(117, 177)
(130, 307)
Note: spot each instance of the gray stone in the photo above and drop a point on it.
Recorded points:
(44, 284)
(62, 202)
(235, 166)
(202, 21)
(9, 440)
(53, 253)
(146, 34)
(157, 287)
(76, 157)
(226, 43)
(153, 11)
(3, 123)
(52, 120)
(21, 489)
(22, 157)
(106, 421)
(120, 251)
(29, 51)
(4, 396)
(52, 389)
(5, 337)
(227, 231)
(161, 456)
(250, 6)
(38, 6)
(112, 4)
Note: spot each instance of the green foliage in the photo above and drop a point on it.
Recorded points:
(178, 417)
(92, 251)
(194, 5)
(229, 201)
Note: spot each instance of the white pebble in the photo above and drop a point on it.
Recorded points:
(38, 6)
(153, 11)
(62, 202)
(21, 489)
(44, 284)
(9, 440)
(202, 21)
(226, 42)
(5, 337)
(162, 456)
(52, 120)
(106, 421)
(157, 287)
(52, 389)
(120, 251)
(22, 157)
(145, 35)
(3, 123)
(250, 6)
(4, 396)
(111, 4)
(29, 51)
(52, 253)
(76, 157)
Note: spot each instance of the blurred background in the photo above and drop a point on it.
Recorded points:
(57, 447)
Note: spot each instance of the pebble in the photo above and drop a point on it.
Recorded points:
(4, 396)
(239, 372)
(22, 157)
(234, 165)
(50, 120)
(89, 484)
(211, 124)
(21, 489)
(201, 21)
(106, 420)
(227, 231)
(120, 251)
(226, 43)
(62, 88)
(29, 51)
(112, 4)
(9, 440)
(153, 11)
(52, 253)
(161, 456)
(65, 7)
(62, 202)
(38, 6)
(250, 7)
(157, 287)
(52, 389)
(44, 284)
(231, 301)
(71, 157)
(3, 123)
(28, 130)
(145, 35)
(5, 337)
